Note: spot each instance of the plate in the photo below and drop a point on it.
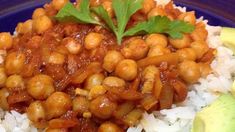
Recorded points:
(219, 13)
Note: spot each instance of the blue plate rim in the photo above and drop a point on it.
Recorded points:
(219, 14)
(20, 7)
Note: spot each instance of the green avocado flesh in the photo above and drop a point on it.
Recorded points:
(228, 38)
(218, 117)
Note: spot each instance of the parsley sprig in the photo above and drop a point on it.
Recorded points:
(81, 15)
(161, 24)
(124, 9)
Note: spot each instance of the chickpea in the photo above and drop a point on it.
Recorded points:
(158, 50)
(78, 2)
(181, 43)
(130, 50)
(126, 69)
(80, 104)
(200, 32)
(157, 11)
(96, 91)
(58, 4)
(41, 24)
(86, 115)
(6, 40)
(34, 42)
(28, 26)
(93, 40)
(156, 39)
(38, 13)
(94, 3)
(138, 16)
(111, 60)
(25, 27)
(40, 86)
(189, 71)
(109, 127)
(205, 69)
(56, 58)
(188, 17)
(200, 48)
(72, 46)
(108, 7)
(15, 83)
(36, 112)
(102, 107)
(4, 93)
(19, 28)
(14, 63)
(147, 5)
(93, 80)
(62, 50)
(3, 77)
(112, 82)
(56, 130)
(187, 54)
(57, 104)
(2, 57)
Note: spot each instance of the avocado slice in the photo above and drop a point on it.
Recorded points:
(218, 117)
(227, 36)
(233, 89)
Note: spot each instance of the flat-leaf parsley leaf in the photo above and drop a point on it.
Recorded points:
(82, 14)
(161, 24)
(124, 9)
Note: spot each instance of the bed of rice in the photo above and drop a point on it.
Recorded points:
(180, 117)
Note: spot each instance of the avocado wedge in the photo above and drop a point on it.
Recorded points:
(218, 117)
(227, 36)
(233, 89)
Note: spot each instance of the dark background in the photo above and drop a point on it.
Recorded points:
(218, 12)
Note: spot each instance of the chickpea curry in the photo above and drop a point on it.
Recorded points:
(89, 69)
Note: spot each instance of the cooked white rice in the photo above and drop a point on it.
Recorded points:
(15, 122)
(180, 117)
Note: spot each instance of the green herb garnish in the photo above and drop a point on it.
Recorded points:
(161, 24)
(105, 16)
(81, 15)
(124, 9)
